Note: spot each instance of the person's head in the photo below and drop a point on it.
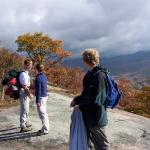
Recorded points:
(90, 57)
(28, 64)
(40, 67)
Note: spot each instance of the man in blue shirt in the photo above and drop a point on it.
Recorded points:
(41, 98)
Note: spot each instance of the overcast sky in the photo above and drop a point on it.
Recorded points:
(112, 26)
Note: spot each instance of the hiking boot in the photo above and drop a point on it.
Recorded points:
(26, 129)
(40, 132)
(28, 125)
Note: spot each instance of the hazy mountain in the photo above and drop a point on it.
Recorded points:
(137, 64)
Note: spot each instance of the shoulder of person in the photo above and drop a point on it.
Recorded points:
(23, 73)
(100, 74)
(45, 76)
(40, 76)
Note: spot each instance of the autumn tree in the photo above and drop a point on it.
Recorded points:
(143, 99)
(41, 48)
(135, 100)
(68, 78)
(128, 93)
(8, 60)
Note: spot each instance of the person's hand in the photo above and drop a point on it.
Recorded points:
(76, 108)
(72, 104)
(30, 95)
(39, 104)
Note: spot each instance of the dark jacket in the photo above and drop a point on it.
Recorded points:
(93, 97)
(40, 86)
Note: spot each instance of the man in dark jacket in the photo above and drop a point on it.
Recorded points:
(91, 101)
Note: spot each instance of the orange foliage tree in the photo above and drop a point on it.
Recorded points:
(8, 60)
(41, 48)
(69, 78)
(143, 99)
(135, 100)
(128, 93)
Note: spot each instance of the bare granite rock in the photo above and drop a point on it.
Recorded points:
(126, 131)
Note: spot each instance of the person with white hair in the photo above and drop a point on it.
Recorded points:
(91, 101)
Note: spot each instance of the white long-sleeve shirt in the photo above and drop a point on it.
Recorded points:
(24, 78)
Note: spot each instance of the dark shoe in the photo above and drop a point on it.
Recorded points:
(25, 129)
(40, 132)
(28, 125)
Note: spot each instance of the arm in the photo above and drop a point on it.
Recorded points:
(25, 83)
(76, 101)
(100, 94)
(26, 89)
(38, 87)
(102, 89)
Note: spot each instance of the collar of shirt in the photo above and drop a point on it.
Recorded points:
(25, 71)
(93, 67)
(40, 73)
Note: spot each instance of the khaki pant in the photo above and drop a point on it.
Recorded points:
(98, 139)
(24, 109)
(43, 115)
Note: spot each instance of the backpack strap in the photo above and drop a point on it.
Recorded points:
(19, 85)
(100, 99)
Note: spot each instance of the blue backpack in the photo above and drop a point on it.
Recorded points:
(113, 93)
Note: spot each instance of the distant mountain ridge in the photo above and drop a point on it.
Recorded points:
(131, 64)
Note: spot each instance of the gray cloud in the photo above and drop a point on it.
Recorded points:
(112, 26)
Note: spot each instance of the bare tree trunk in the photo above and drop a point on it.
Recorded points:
(3, 93)
(3, 88)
